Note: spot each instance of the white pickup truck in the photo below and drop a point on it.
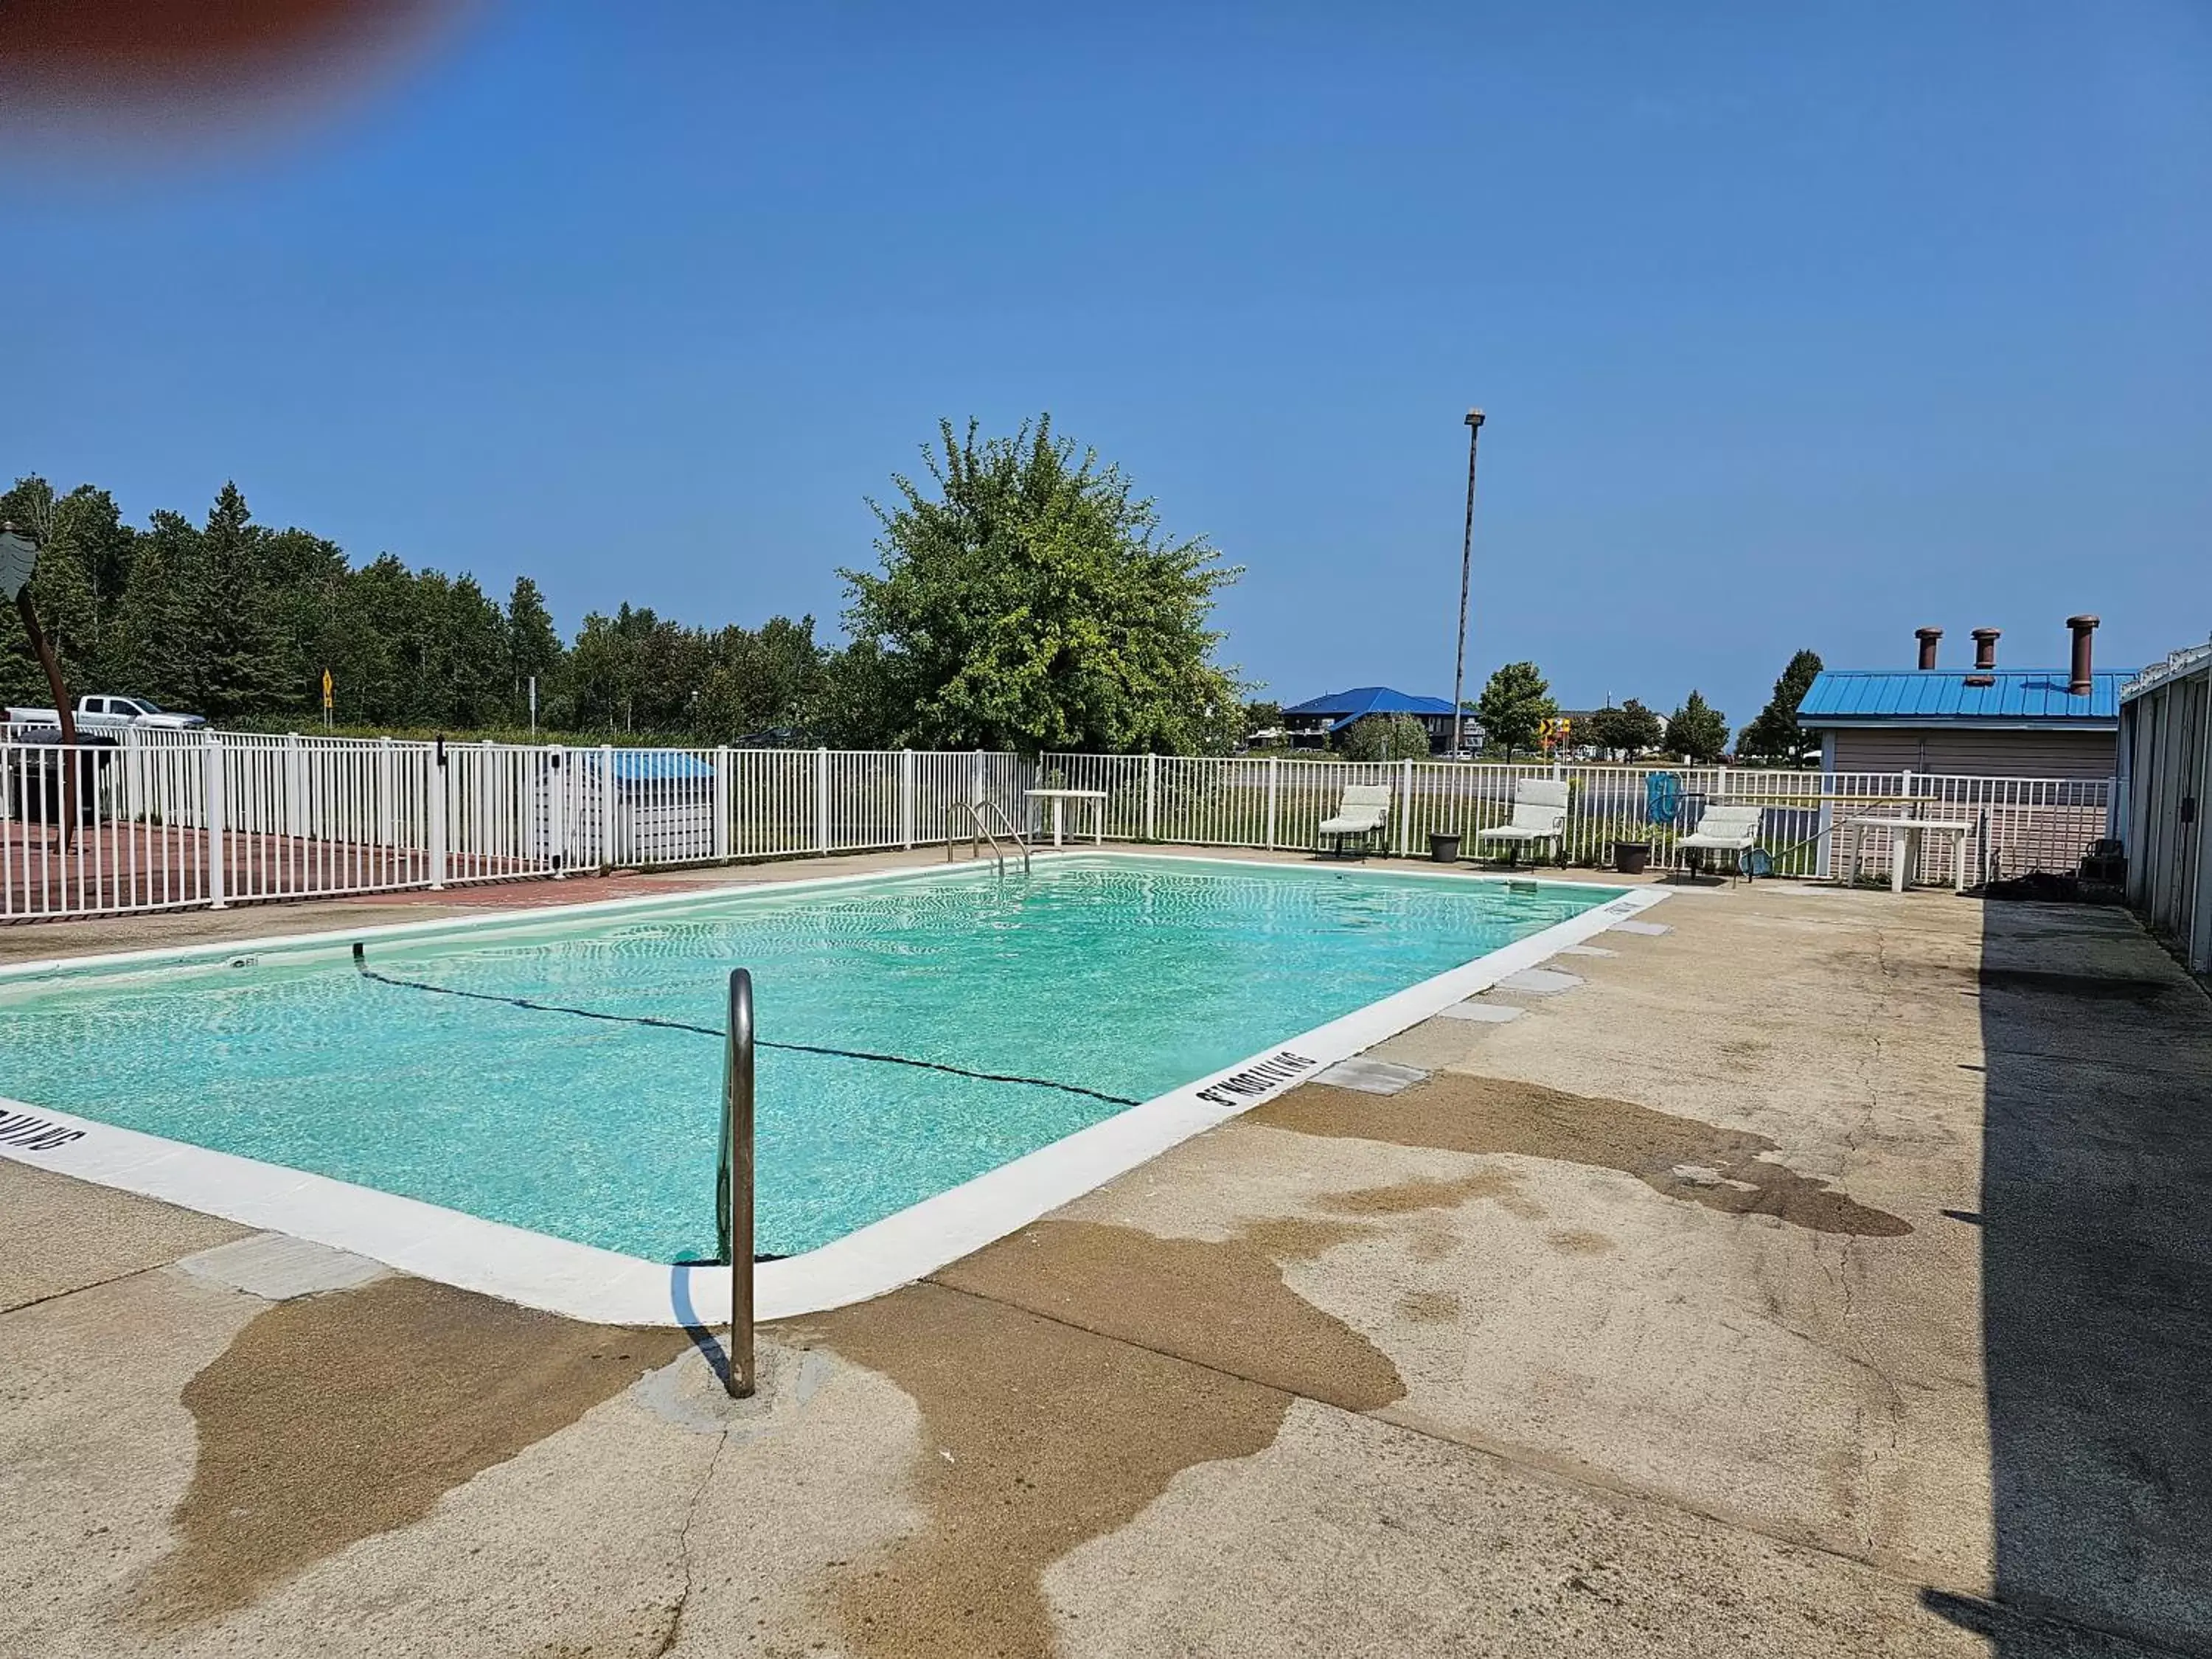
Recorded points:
(112, 714)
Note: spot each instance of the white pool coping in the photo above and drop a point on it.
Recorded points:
(584, 1282)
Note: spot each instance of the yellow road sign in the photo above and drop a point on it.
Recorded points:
(326, 688)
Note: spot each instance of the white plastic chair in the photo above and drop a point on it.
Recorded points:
(1363, 812)
(1539, 814)
(1731, 829)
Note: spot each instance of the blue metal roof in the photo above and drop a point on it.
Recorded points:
(1370, 700)
(1346, 707)
(1940, 697)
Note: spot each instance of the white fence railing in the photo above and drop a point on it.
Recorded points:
(164, 820)
(2017, 824)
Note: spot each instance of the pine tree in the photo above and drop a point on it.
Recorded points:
(155, 649)
(1697, 730)
(533, 649)
(1775, 735)
(239, 649)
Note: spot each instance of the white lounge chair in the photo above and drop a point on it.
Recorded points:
(1362, 811)
(1733, 830)
(1539, 814)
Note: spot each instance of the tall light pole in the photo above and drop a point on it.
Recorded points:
(1466, 570)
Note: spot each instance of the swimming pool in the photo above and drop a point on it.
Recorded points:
(560, 1073)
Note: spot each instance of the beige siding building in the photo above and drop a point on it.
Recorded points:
(1983, 721)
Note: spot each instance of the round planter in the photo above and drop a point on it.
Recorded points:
(1632, 858)
(1443, 849)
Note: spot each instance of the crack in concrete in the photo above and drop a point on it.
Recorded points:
(668, 1637)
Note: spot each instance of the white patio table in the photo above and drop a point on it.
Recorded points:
(1905, 839)
(1060, 797)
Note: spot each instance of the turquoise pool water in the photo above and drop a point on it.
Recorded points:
(1128, 976)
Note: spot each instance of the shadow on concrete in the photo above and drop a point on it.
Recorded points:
(687, 1316)
(2096, 1220)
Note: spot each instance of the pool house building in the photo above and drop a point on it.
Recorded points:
(1979, 721)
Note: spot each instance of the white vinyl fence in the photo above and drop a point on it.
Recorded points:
(165, 820)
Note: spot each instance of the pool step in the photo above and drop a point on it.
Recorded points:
(1540, 981)
(1488, 1013)
(1371, 1077)
(277, 1267)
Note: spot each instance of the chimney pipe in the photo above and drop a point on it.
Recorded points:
(2082, 627)
(1985, 649)
(1927, 636)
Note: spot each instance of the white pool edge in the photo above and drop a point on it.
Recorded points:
(583, 1282)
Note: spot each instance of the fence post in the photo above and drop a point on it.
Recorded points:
(1906, 787)
(211, 809)
(557, 809)
(296, 787)
(483, 836)
(1151, 796)
(1275, 793)
(722, 802)
(387, 786)
(134, 775)
(1405, 806)
(906, 797)
(607, 806)
(436, 803)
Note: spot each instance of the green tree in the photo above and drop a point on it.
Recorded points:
(768, 679)
(1386, 737)
(1624, 732)
(240, 666)
(533, 649)
(62, 591)
(1514, 705)
(636, 672)
(1639, 729)
(1775, 735)
(1697, 730)
(155, 649)
(302, 577)
(1263, 717)
(1030, 601)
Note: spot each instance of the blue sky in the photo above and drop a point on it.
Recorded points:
(1795, 325)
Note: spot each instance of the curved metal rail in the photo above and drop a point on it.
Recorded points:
(982, 832)
(734, 1183)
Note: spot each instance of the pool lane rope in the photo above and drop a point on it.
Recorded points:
(360, 962)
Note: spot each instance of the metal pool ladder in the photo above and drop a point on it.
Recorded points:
(982, 832)
(733, 1183)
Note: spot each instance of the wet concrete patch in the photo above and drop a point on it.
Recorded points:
(1580, 1241)
(1038, 1438)
(1222, 1304)
(1699, 1163)
(1428, 1307)
(2138, 988)
(333, 1418)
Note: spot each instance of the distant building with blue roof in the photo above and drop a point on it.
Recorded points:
(1318, 721)
(1983, 721)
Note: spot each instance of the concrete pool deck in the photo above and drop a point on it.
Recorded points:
(1826, 1275)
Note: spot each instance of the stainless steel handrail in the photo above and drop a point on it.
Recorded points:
(983, 829)
(733, 1183)
(1013, 832)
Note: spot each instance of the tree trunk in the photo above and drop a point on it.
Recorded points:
(62, 712)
